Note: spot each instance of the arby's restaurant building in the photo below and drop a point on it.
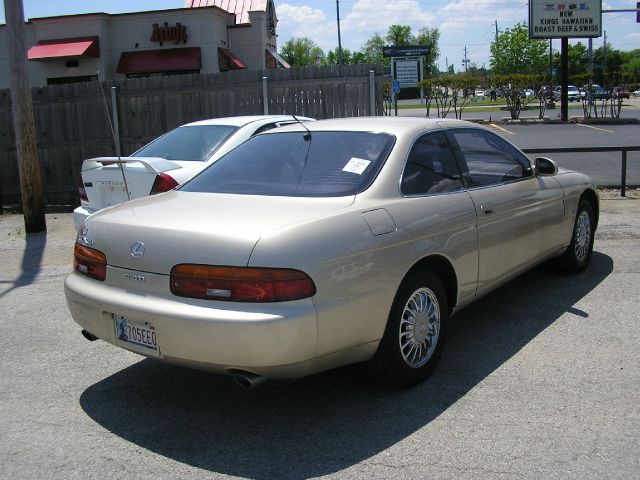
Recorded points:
(205, 36)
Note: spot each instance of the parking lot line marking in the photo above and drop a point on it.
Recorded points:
(595, 128)
(503, 130)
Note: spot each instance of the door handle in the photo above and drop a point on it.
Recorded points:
(486, 209)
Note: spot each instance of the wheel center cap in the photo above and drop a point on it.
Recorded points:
(422, 327)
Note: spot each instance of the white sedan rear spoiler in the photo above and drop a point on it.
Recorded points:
(151, 164)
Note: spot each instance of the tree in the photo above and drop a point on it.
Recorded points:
(513, 86)
(400, 35)
(430, 37)
(332, 57)
(301, 52)
(372, 50)
(514, 52)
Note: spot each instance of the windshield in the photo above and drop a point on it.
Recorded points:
(286, 164)
(196, 142)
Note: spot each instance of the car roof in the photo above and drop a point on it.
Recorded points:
(398, 126)
(245, 120)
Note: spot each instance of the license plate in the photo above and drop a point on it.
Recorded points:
(137, 335)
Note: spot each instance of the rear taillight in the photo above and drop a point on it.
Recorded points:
(240, 284)
(163, 183)
(89, 262)
(81, 190)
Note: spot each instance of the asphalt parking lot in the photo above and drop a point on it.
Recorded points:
(540, 379)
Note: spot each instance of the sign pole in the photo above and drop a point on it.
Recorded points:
(564, 78)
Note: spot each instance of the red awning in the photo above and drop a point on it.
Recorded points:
(156, 61)
(65, 48)
(233, 61)
(279, 60)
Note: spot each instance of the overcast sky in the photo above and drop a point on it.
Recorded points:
(461, 22)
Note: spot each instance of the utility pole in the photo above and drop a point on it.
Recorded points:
(23, 124)
(465, 60)
(604, 54)
(496, 31)
(339, 39)
(551, 61)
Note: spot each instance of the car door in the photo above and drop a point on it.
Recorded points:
(520, 215)
(437, 211)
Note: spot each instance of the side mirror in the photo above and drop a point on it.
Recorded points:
(546, 166)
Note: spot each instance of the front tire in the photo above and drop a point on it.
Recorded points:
(413, 339)
(578, 254)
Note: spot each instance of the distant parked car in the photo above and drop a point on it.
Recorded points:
(528, 93)
(546, 92)
(620, 93)
(166, 162)
(573, 94)
(636, 93)
(597, 92)
(479, 94)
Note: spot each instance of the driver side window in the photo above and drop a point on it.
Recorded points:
(490, 159)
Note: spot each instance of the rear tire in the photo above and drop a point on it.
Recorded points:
(578, 254)
(413, 339)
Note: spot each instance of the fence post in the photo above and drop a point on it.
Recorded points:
(265, 96)
(623, 176)
(116, 123)
(372, 93)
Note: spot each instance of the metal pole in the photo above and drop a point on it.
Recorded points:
(564, 79)
(339, 39)
(265, 96)
(590, 92)
(372, 93)
(422, 77)
(116, 125)
(623, 176)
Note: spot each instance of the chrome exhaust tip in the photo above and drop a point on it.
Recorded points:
(247, 379)
(89, 336)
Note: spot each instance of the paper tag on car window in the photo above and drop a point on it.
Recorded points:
(356, 165)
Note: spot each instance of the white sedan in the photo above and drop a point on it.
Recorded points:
(166, 162)
(327, 243)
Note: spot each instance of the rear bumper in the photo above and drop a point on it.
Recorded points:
(80, 214)
(276, 340)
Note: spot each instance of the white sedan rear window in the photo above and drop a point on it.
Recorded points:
(196, 142)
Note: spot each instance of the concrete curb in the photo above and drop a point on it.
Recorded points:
(555, 121)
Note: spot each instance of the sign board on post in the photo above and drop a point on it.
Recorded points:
(407, 72)
(565, 20)
(395, 86)
(410, 51)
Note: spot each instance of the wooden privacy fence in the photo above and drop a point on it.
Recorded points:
(72, 123)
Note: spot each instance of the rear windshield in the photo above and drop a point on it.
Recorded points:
(197, 143)
(286, 164)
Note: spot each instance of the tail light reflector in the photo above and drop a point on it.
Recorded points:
(240, 284)
(163, 183)
(81, 190)
(89, 262)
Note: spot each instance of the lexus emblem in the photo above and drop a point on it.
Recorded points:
(137, 249)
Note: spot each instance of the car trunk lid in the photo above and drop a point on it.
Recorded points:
(104, 184)
(199, 228)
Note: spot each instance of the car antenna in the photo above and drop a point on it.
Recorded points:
(306, 136)
(113, 136)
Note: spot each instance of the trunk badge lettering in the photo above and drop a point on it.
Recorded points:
(133, 277)
(137, 250)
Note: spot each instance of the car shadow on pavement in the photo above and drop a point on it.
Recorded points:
(328, 422)
(34, 247)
